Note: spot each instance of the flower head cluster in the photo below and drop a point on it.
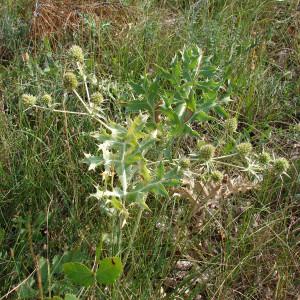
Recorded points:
(70, 81)
(281, 165)
(97, 98)
(264, 158)
(217, 176)
(231, 125)
(46, 99)
(207, 152)
(185, 163)
(28, 100)
(76, 53)
(244, 149)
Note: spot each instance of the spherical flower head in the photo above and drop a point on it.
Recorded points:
(231, 125)
(207, 152)
(264, 158)
(28, 100)
(70, 81)
(97, 98)
(46, 99)
(244, 149)
(281, 165)
(185, 163)
(76, 53)
(216, 176)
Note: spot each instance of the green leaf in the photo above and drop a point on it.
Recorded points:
(201, 116)
(221, 111)
(79, 273)
(137, 105)
(110, 269)
(70, 297)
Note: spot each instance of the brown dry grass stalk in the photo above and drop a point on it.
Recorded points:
(54, 18)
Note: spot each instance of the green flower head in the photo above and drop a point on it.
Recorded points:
(46, 99)
(207, 152)
(231, 125)
(97, 98)
(217, 176)
(281, 165)
(264, 158)
(76, 53)
(185, 163)
(28, 100)
(244, 149)
(70, 81)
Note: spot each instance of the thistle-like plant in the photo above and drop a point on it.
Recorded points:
(137, 156)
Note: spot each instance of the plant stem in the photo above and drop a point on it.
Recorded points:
(135, 229)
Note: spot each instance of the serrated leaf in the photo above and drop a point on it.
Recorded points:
(110, 269)
(79, 274)
(137, 105)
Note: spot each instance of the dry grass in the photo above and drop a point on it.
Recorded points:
(56, 18)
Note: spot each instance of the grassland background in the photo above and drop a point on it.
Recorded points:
(256, 44)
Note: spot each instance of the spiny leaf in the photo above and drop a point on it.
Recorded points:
(92, 161)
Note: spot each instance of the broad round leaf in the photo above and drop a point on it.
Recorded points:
(79, 273)
(110, 269)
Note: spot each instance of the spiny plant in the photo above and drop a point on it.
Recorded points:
(138, 156)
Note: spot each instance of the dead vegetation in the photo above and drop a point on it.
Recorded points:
(55, 18)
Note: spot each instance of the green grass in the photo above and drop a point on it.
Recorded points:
(247, 248)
